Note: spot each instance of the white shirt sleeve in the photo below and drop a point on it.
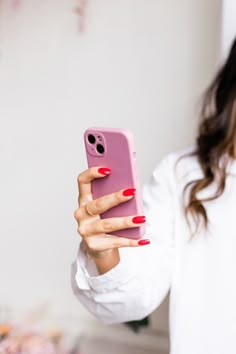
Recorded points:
(139, 283)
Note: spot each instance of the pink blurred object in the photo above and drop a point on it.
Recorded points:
(80, 12)
(16, 4)
(21, 340)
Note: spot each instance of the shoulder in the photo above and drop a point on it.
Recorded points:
(179, 166)
(179, 159)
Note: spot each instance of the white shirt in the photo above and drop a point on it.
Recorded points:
(199, 272)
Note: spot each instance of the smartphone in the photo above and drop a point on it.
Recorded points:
(115, 149)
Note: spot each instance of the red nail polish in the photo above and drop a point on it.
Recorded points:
(104, 171)
(139, 219)
(143, 242)
(129, 192)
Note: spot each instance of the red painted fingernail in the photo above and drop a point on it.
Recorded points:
(143, 242)
(104, 171)
(139, 219)
(129, 192)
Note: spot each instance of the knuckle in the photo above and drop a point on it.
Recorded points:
(107, 225)
(78, 214)
(98, 204)
(91, 244)
(118, 198)
(124, 242)
(80, 178)
(126, 223)
(117, 243)
(82, 230)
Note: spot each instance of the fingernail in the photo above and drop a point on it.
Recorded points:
(129, 192)
(104, 171)
(143, 242)
(139, 219)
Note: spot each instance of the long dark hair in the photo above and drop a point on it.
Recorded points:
(216, 139)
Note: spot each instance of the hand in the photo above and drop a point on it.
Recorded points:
(94, 230)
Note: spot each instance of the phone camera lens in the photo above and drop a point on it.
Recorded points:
(91, 139)
(100, 149)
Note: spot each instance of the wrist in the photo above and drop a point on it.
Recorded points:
(96, 255)
(106, 260)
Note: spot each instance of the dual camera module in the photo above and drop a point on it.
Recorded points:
(99, 147)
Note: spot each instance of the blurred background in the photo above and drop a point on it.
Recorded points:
(66, 65)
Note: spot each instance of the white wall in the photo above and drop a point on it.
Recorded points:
(140, 64)
(228, 25)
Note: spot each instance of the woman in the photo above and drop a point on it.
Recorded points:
(190, 205)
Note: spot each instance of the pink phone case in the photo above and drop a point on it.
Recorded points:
(115, 149)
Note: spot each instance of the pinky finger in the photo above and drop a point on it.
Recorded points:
(127, 242)
(103, 243)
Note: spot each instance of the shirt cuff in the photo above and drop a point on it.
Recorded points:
(87, 276)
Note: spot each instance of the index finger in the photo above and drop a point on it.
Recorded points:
(84, 182)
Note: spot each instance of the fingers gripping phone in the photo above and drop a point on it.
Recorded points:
(115, 149)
